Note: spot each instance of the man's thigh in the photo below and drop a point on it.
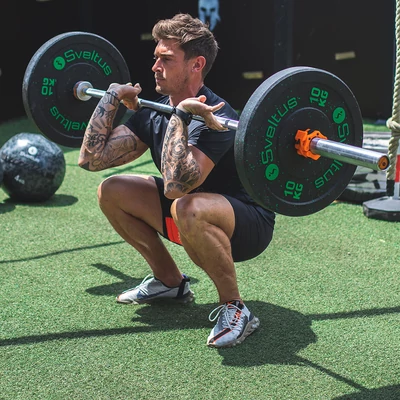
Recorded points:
(246, 226)
(214, 207)
(136, 195)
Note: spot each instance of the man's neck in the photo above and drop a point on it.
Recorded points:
(175, 99)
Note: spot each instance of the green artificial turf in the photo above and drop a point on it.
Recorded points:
(326, 292)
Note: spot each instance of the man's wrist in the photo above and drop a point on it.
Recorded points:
(186, 117)
(113, 94)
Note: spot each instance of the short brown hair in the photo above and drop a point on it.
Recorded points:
(193, 36)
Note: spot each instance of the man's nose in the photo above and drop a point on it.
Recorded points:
(156, 66)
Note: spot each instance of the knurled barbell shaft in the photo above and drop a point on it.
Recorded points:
(323, 147)
(84, 90)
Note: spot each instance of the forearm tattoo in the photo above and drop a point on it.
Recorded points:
(116, 152)
(179, 168)
(107, 150)
(100, 124)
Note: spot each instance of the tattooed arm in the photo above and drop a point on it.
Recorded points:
(103, 147)
(180, 169)
(184, 167)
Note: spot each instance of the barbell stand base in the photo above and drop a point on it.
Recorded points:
(385, 208)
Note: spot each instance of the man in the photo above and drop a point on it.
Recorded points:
(199, 202)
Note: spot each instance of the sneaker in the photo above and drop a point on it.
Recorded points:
(153, 289)
(234, 324)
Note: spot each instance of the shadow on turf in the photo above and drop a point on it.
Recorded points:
(384, 393)
(126, 282)
(57, 200)
(282, 334)
(56, 253)
(6, 207)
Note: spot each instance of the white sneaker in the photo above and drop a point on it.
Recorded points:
(153, 289)
(234, 324)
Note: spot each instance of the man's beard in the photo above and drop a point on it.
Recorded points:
(176, 88)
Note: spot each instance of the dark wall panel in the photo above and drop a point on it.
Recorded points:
(247, 33)
(244, 33)
(245, 60)
(24, 28)
(354, 39)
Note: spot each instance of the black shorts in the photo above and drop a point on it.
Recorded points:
(253, 232)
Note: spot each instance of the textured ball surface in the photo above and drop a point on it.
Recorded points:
(1, 172)
(33, 167)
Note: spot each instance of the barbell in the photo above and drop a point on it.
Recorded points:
(298, 139)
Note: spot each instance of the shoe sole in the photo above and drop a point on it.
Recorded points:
(189, 297)
(250, 328)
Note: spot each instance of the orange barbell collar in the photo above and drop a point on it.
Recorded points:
(303, 140)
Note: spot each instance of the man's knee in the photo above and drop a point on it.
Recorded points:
(187, 213)
(193, 213)
(107, 188)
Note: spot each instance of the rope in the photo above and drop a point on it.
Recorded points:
(393, 123)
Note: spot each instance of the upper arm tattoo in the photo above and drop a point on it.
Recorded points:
(119, 149)
(178, 165)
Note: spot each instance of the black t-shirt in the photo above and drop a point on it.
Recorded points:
(150, 126)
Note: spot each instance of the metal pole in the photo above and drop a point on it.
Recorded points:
(349, 154)
(326, 148)
(83, 91)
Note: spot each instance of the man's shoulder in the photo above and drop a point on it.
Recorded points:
(213, 98)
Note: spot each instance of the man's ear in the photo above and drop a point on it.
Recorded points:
(198, 64)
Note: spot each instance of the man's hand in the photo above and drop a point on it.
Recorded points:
(127, 94)
(197, 106)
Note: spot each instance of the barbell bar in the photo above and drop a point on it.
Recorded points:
(266, 146)
(84, 91)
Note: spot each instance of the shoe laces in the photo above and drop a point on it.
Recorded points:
(142, 285)
(230, 314)
(146, 278)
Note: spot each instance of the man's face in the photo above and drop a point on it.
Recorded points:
(170, 68)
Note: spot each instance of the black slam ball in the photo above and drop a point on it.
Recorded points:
(1, 171)
(33, 167)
